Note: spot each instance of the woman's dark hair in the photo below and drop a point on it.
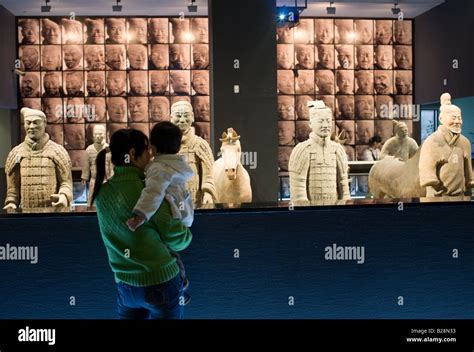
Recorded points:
(120, 144)
(375, 139)
(166, 138)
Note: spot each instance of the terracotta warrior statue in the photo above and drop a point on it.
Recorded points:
(440, 167)
(318, 167)
(89, 170)
(198, 154)
(38, 170)
(445, 160)
(399, 146)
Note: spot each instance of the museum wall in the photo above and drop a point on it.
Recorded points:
(5, 135)
(442, 35)
(5, 144)
(8, 98)
(8, 87)
(247, 33)
(467, 107)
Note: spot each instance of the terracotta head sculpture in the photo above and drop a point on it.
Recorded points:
(29, 30)
(99, 134)
(73, 31)
(95, 30)
(400, 129)
(231, 152)
(182, 115)
(35, 123)
(230, 136)
(320, 118)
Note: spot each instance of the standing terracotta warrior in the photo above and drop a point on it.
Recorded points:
(38, 170)
(318, 167)
(198, 154)
(445, 160)
(89, 170)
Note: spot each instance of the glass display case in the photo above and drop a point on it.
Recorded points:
(359, 178)
(121, 72)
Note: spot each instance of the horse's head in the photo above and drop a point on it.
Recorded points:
(231, 152)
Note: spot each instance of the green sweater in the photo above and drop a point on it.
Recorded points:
(139, 258)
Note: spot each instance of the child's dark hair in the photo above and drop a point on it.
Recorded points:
(375, 139)
(120, 144)
(166, 138)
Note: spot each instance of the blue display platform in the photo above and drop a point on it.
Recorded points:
(264, 262)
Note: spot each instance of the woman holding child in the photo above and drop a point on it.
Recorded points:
(146, 270)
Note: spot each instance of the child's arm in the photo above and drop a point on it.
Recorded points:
(156, 183)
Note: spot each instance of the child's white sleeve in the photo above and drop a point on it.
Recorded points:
(156, 182)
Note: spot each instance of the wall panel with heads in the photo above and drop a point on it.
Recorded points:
(121, 72)
(360, 68)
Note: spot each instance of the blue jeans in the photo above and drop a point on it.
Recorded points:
(151, 302)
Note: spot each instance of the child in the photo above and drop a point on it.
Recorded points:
(166, 178)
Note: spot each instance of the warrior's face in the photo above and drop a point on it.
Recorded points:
(401, 130)
(30, 58)
(35, 127)
(452, 120)
(182, 116)
(99, 134)
(95, 84)
(30, 32)
(321, 122)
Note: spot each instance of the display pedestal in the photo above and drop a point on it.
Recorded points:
(247, 263)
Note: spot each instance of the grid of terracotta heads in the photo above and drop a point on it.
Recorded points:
(119, 72)
(360, 68)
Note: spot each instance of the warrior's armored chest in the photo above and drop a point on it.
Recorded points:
(38, 179)
(322, 173)
(193, 161)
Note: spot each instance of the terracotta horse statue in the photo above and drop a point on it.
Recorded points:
(231, 179)
(394, 178)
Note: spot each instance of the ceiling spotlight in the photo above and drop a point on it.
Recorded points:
(117, 7)
(395, 9)
(331, 9)
(287, 16)
(46, 8)
(192, 7)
